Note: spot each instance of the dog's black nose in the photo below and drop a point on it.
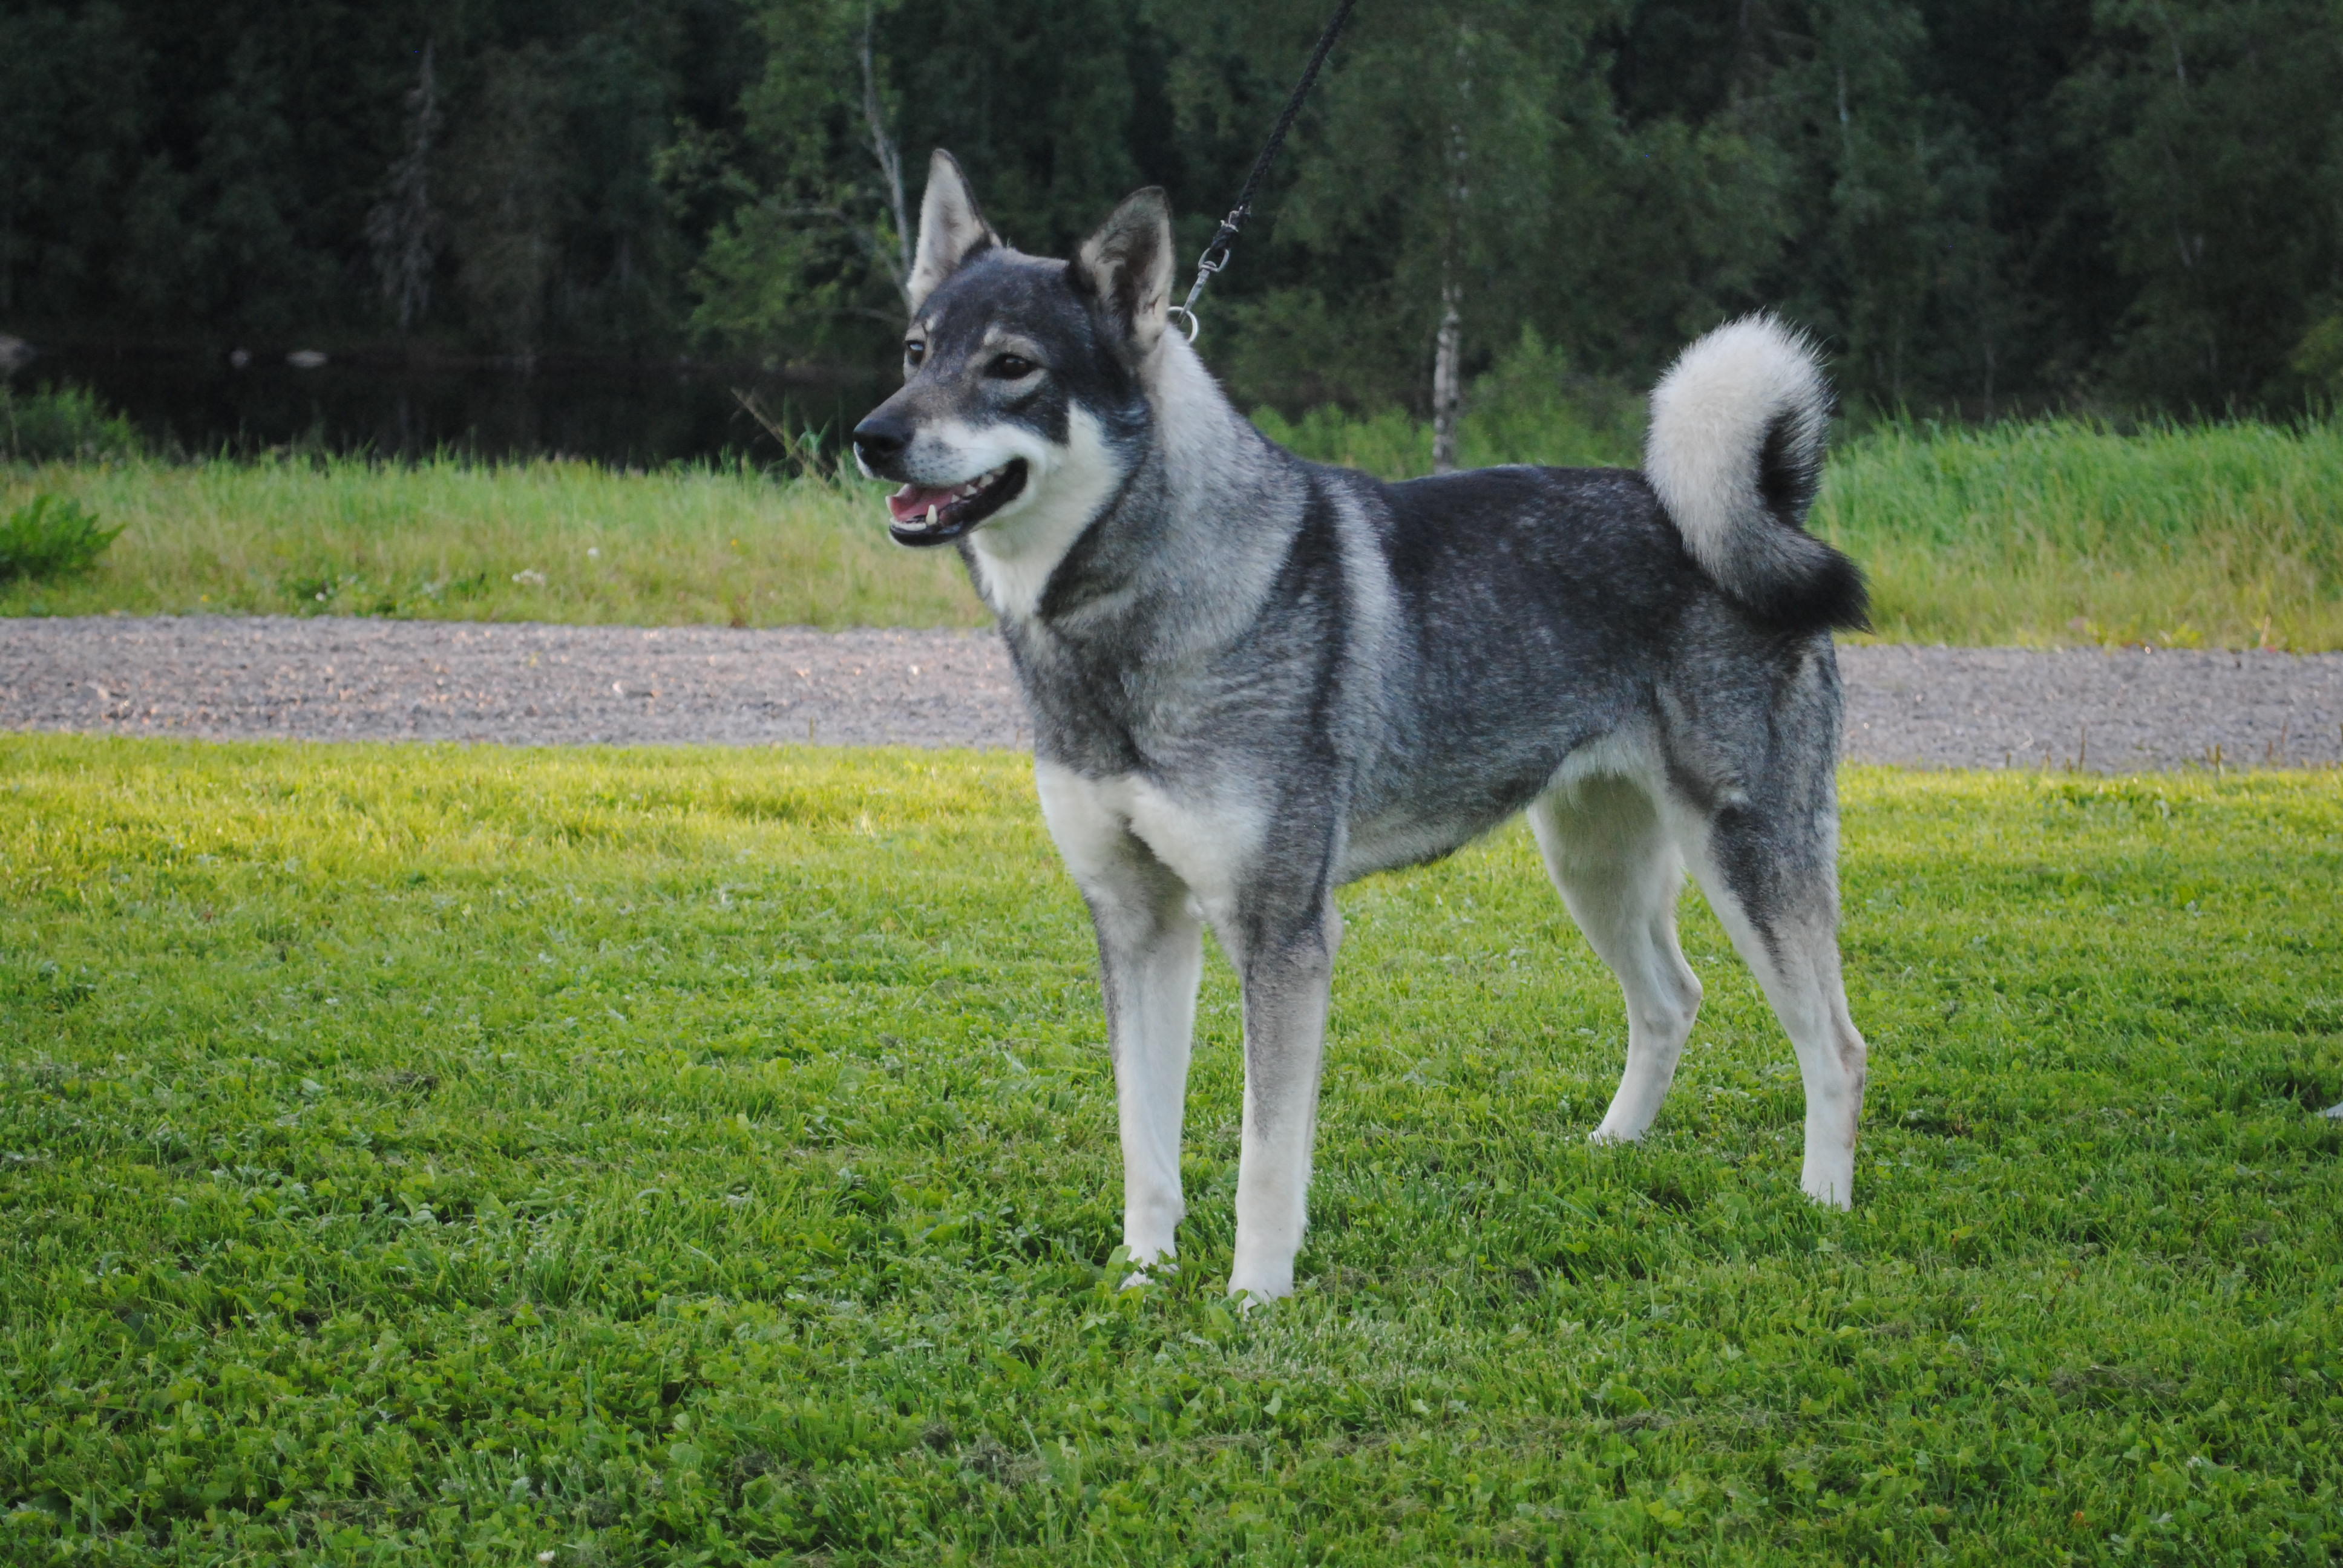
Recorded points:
(881, 439)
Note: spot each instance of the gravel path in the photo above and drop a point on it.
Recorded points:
(341, 679)
(337, 679)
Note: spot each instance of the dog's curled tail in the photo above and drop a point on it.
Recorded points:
(1735, 454)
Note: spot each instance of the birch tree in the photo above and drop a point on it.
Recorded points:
(1437, 167)
(403, 228)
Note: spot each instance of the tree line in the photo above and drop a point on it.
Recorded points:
(1980, 206)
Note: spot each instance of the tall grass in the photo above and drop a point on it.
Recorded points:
(551, 540)
(2053, 533)
(2047, 534)
(2061, 532)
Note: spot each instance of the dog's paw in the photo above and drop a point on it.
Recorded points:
(1162, 1271)
(1830, 1192)
(1147, 1265)
(1251, 1288)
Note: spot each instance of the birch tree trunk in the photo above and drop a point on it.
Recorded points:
(402, 229)
(891, 165)
(1447, 391)
(1448, 344)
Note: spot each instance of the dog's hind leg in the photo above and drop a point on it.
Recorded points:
(1770, 874)
(1151, 956)
(1619, 870)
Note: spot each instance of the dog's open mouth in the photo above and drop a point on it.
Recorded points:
(931, 515)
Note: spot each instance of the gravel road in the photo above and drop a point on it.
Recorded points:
(330, 678)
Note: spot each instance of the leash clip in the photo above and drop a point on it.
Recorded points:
(1215, 256)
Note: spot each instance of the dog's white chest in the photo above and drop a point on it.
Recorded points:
(1205, 841)
(1014, 554)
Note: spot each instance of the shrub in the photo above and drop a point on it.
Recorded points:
(50, 536)
(1529, 406)
(64, 422)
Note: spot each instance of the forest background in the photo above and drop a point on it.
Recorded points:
(1985, 206)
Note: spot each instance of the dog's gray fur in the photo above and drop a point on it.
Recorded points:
(1254, 678)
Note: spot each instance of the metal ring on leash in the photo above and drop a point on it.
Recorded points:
(1194, 326)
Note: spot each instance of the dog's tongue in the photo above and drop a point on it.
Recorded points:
(912, 501)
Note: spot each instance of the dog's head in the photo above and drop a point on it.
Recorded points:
(1024, 379)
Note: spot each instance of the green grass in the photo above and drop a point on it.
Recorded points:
(51, 536)
(2046, 535)
(2059, 533)
(547, 540)
(459, 1156)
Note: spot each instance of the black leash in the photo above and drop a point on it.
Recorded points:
(1216, 255)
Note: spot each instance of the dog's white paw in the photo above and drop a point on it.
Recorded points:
(1160, 1272)
(1830, 1192)
(1149, 1265)
(1264, 1282)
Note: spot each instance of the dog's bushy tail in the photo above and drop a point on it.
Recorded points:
(1735, 454)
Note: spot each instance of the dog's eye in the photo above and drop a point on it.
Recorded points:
(1010, 367)
(913, 353)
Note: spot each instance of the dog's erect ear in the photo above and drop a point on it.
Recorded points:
(1126, 266)
(952, 229)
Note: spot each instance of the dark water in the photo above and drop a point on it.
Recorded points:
(626, 415)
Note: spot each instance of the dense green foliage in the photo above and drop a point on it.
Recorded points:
(1977, 202)
(2037, 534)
(51, 536)
(471, 1156)
(47, 424)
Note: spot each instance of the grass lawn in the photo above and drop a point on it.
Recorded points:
(2041, 535)
(2180, 536)
(422, 1156)
(552, 540)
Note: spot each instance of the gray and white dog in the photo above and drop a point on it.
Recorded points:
(1254, 678)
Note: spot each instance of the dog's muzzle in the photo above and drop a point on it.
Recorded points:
(936, 514)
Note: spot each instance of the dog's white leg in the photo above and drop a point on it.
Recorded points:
(1288, 975)
(1619, 872)
(1151, 956)
(1776, 890)
(1150, 961)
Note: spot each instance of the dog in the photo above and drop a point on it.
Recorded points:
(1254, 678)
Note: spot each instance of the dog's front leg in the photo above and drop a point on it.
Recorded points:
(1288, 972)
(1151, 955)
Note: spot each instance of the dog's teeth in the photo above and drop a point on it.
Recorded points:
(931, 514)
